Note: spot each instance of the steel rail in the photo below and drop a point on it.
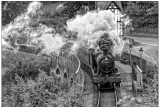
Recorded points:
(100, 98)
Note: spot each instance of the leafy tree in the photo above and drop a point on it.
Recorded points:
(11, 9)
(72, 7)
(143, 13)
(44, 91)
(56, 21)
(49, 2)
(124, 4)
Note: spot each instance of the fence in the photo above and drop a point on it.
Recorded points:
(135, 59)
(140, 70)
(66, 62)
(137, 79)
(71, 62)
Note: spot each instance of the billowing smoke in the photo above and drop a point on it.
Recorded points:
(52, 44)
(91, 26)
(21, 29)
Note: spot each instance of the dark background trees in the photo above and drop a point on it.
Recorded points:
(11, 9)
(72, 7)
(144, 15)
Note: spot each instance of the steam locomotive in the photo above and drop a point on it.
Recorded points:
(101, 63)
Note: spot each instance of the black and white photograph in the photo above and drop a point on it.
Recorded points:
(80, 54)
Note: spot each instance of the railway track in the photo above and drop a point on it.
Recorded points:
(107, 98)
(103, 97)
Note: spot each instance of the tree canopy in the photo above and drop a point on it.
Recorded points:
(11, 9)
(71, 8)
(142, 13)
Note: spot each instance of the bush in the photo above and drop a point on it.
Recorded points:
(150, 94)
(146, 30)
(44, 91)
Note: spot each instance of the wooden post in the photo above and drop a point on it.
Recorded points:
(137, 77)
(140, 76)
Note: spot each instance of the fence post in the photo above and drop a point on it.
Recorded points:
(137, 79)
(140, 76)
(134, 76)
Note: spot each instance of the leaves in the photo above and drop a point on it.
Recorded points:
(143, 13)
(41, 92)
(72, 7)
(10, 10)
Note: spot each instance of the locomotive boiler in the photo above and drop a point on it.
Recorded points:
(105, 72)
(100, 62)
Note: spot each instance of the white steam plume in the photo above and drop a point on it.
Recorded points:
(52, 44)
(20, 25)
(91, 26)
(40, 36)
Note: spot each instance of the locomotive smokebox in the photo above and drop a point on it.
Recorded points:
(106, 63)
(105, 43)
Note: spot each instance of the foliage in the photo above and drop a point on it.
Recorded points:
(56, 21)
(152, 70)
(49, 2)
(143, 13)
(11, 9)
(23, 64)
(124, 4)
(146, 30)
(25, 29)
(44, 91)
(150, 95)
(72, 7)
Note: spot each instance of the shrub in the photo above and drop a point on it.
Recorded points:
(150, 94)
(44, 91)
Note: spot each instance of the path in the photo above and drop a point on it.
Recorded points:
(126, 75)
(150, 53)
(145, 40)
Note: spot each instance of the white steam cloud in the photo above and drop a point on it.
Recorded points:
(21, 24)
(91, 26)
(52, 44)
(40, 36)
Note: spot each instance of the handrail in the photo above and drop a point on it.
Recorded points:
(137, 74)
(65, 59)
(72, 60)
